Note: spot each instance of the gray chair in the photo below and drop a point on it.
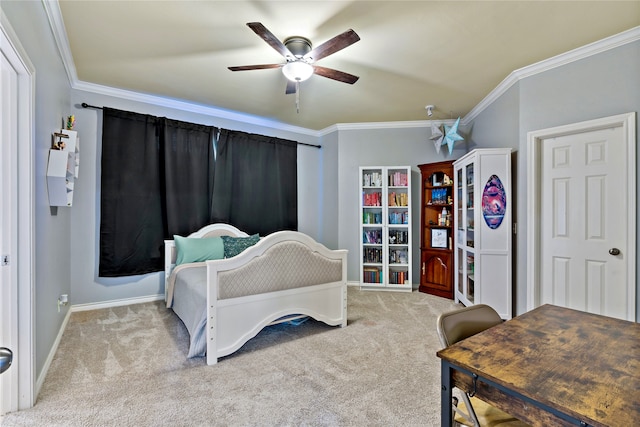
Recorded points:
(455, 326)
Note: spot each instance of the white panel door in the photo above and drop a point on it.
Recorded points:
(8, 282)
(583, 222)
(17, 227)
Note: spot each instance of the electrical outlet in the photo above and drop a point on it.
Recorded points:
(62, 300)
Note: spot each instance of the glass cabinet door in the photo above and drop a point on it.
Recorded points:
(470, 238)
(470, 222)
(470, 267)
(372, 226)
(397, 199)
(460, 232)
(459, 207)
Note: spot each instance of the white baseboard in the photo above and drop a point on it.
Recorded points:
(85, 307)
(414, 286)
(52, 352)
(116, 303)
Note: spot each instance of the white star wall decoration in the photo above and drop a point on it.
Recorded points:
(436, 136)
(451, 135)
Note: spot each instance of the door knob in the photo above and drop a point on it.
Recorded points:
(6, 357)
(614, 251)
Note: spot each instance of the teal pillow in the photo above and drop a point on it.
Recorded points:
(194, 249)
(234, 245)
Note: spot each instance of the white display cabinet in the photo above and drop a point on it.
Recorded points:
(483, 227)
(385, 228)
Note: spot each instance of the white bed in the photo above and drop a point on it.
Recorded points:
(226, 302)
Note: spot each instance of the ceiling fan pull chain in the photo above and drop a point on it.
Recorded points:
(297, 97)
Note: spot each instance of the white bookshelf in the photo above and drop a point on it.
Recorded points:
(385, 228)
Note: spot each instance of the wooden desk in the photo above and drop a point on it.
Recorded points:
(551, 366)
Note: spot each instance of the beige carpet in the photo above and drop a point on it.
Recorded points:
(126, 366)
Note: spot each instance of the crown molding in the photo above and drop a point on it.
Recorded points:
(385, 125)
(381, 125)
(190, 107)
(56, 22)
(577, 54)
(54, 15)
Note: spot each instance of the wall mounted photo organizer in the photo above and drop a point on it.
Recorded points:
(62, 169)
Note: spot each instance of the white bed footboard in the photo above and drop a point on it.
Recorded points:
(286, 273)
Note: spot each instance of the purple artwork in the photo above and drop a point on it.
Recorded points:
(494, 202)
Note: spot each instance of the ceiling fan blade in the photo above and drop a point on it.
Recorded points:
(333, 45)
(268, 37)
(330, 73)
(291, 87)
(255, 67)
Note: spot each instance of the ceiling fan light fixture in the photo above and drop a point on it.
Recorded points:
(297, 71)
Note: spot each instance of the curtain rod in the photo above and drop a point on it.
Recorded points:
(309, 145)
(85, 105)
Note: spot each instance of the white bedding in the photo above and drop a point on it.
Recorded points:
(190, 304)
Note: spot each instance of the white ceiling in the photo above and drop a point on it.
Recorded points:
(412, 53)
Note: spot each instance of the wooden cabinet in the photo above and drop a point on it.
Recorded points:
(436, 229)
(482, 218)
(385, 228)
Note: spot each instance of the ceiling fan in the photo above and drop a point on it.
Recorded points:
(301, 58)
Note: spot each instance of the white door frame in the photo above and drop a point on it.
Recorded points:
(24, 254)
(535, 140)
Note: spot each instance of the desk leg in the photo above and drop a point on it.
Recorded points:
(446, 413)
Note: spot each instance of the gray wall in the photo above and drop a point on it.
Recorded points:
(86, 286)
(602, 85)
(52, 225)
(330, 185)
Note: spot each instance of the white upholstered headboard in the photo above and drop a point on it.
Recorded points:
(211, 230)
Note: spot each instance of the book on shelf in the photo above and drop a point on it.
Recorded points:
(372, 255)
(398, 199)
(372, 275)
(399, 217)
(398, 237)
(372, 236)
(371, 199)
(372, 217)
(372, 179)
(398, 179)
(440, 196)
(399, 277)
(398, 256)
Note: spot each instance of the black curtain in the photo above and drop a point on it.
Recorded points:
(149, 163)
(188, 172)
(256, 183)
